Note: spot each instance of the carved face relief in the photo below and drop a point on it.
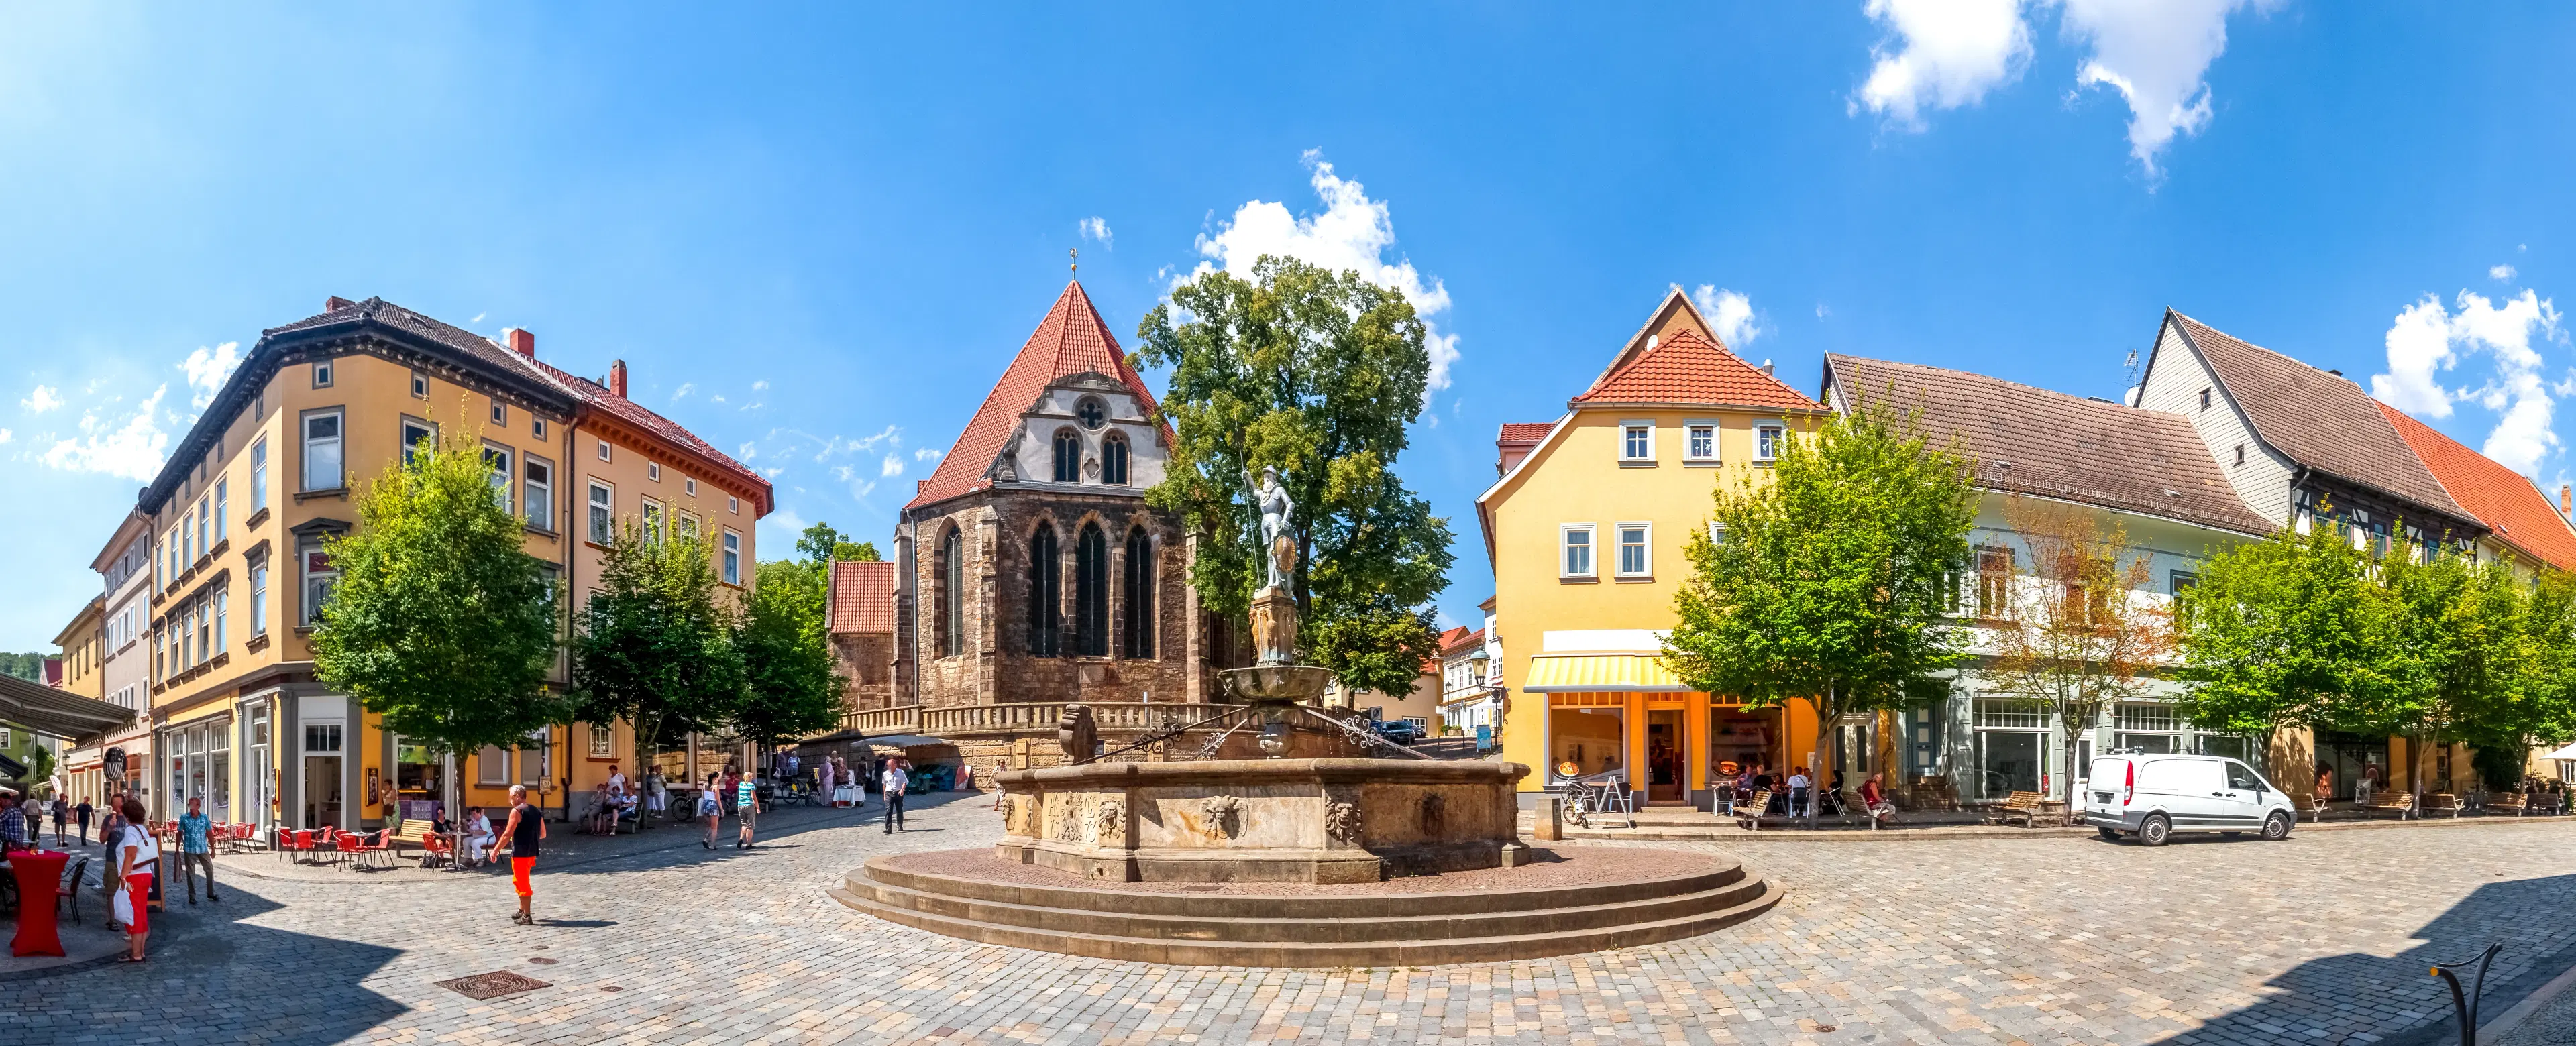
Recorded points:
(1342, 822)
(1112, 822)
(1435, 815)
(1219, 813)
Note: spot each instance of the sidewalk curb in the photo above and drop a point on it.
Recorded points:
(1731, 834)
(2529, 1005)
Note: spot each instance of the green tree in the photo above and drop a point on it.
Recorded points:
(40, 767)
(1379, 648)
(1836, 577)
(2540, 708)
(441, 622)
(30, 666)
(2450, 648)
(821, 544)
(2279, 633)
(1317, 374)
(857, 551)
(792, 689)
(654, 647)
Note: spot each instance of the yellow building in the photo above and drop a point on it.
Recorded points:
(1585, 531)
(239, 514)
(84, 650)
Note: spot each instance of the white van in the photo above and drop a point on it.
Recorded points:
(2153, 795)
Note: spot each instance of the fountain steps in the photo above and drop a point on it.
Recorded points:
(1310, 930)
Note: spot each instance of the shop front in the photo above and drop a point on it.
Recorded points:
(1626, 712)
(196, 763)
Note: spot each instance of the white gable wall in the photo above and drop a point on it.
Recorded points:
(2175, 377)
(1035, 448)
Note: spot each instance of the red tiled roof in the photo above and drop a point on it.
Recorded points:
(679, 437)
(1071, 340)
(2320, 420)
(1461, 638)
(1684, 367)
(2498, 496)
(1524, 431)
(862, 596)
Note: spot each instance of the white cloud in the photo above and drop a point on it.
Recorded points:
(1097, 228)
(760, 386)
(131, 448)
(2154, 53)
(683, 391)
(746, 451)
(478, 317)
(1352, 233)
(2427, 339)
(1731, 315)
(1940, 54)
(45, 398)
(207, 369)
(928, 454)
(2500, 273)
(893, 465)
(6, 435)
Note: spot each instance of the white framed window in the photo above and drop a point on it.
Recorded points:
(1716, 532)
(491, 766)
(1636, 549)
(1766, 440)
(259, 474)
(1699, 443)
(496, 470)
(205, 527)
(321, 738)
(500, 414)
(537, 427)
(603, 740)
(603, 522)
(733, 505)
(685, 524)
(419, 385)
(653, 520)
(222, 488)
(732, 558)
(320, 577)
(414, 431)
(259, 599)
(539, 499)
(223, 611)
(1636, 442)
(690, 484)
(603, 450)
(322, 450)
(322, 374)
(653, 471)
(1575, 557)
(2204, 399)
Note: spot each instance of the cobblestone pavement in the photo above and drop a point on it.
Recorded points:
(2321, 939)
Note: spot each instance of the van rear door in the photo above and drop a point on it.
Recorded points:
(2107, 784)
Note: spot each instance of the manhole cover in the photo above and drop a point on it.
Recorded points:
(541, 960)
(493, 985)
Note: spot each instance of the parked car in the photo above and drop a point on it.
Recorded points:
(2151, 795)
(1401, 731)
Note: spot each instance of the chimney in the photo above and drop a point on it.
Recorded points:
(520, 340)
(2564, 504)
(336, 303)
(1766, 367)
(617, 378)
(919, 485)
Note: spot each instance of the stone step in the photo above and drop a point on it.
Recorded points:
(1255, 922)
(1321, 954)
(1111, 900)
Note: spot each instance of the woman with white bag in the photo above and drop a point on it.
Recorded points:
(137, 858)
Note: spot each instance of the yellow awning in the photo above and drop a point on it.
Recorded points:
(1576, 673)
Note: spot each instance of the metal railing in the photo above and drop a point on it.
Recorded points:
(1033, 717)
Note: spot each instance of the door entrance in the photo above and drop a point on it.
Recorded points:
(321, 791)
(1665, 758)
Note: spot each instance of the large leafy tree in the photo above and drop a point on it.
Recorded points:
(791, 688)
(2540, 707)
(2449, 644)
(441, 622)
(1315, 373)
(821, 544)
(2078, 632)
(1836, 575)
(2281, 633)
(654, 647)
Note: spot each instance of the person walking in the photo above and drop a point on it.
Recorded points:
(136, 859)
(197, 850)
(895, 784)
(823, 781)
(525, 830)
(746, 797)
(62, 815)
(710, 810)
(84, 810)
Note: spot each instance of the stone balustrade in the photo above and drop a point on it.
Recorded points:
(1034, 717)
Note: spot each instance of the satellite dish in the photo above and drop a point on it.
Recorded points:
(2131, 397)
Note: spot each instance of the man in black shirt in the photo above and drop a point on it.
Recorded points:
(524, 831)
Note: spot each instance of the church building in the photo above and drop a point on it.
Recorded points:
(1029, 567)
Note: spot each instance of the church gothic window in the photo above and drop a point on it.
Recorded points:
(1046, 594)
(952, 597)
(1138, 626)
(1068, 457)
(1091, 592)
(1113, 460)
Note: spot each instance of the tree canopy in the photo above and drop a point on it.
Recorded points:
(2075, 632)
(2278, 633)
(1317, 374)
(1835, 574)
(791, 689)
(654, 647)
(821, 544)
(441, 622)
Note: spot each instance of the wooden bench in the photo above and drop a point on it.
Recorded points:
(2440, 803)
(1749, 811)
(2503, 802)
(2027, 806)
(2313, 807)
(2400, 803)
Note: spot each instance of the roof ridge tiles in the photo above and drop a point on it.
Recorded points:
(1072, 339)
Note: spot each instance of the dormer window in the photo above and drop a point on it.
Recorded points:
(1092, 412)
(1068, 457)
(2204, 399)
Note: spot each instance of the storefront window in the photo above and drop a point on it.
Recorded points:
(1589, 738)
(2148, 726)
(2011, 747)
(219, 779)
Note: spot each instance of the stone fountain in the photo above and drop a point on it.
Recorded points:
(1301, 801)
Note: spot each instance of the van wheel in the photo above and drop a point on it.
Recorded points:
(2276, 827)
(2157, 830)
(2112, 834)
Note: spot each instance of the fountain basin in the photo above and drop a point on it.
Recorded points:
(1263, 820)
(1275, 683)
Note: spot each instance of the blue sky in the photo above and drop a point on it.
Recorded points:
(819, 232)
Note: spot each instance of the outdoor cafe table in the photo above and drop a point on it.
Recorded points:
(39, 873)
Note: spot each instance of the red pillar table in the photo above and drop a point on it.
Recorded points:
(40, 873)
